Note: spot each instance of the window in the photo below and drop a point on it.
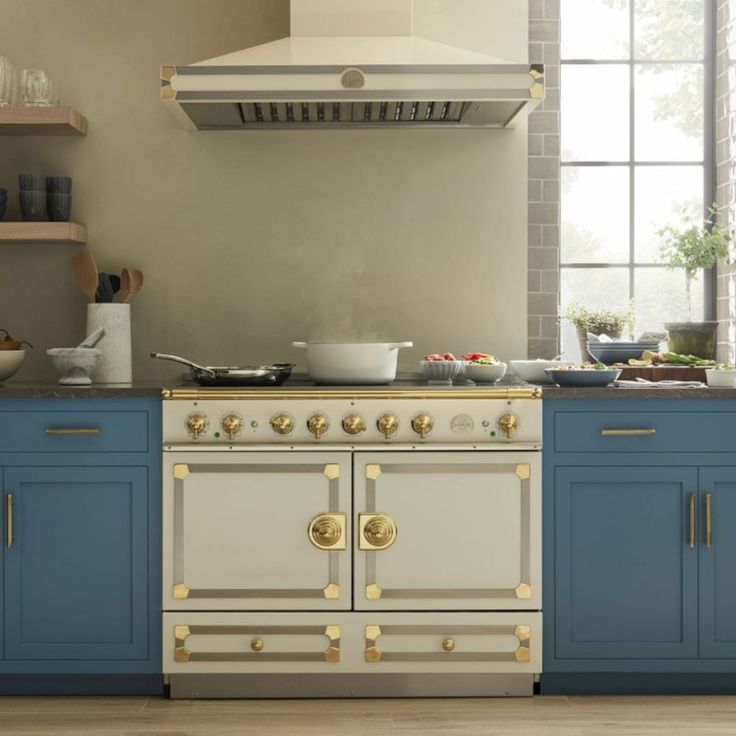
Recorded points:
(636, 148)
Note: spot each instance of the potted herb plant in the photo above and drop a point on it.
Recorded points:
(598, 322)
(692, 249)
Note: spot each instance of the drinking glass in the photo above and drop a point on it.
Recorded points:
(37, 88)
(7, 82)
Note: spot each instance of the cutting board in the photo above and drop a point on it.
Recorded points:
(663, 373)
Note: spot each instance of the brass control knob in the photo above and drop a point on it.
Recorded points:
(257, 645)
(448, 645)
(388, 425)
(353, 424)
(318, 424)
(196, 425)
(422, 424)
(282, 424)
(232, 424)
(508, 423)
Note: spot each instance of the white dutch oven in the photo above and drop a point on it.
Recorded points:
(352, 363)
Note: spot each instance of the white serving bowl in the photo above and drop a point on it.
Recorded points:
(533, 371)
(722, 378)
(10, 362)
(441, 371)
(480, 373)
(75, 365)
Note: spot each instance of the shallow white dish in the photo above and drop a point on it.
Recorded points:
(480, 373)
(721, 379)
(75, 365)
(10, 362)
(532, 371)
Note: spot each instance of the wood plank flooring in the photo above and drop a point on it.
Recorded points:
(539, 716)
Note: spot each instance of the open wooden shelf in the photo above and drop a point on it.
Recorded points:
(43, 232)
(41, 121)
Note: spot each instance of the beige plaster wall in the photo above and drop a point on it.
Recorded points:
(249, 241)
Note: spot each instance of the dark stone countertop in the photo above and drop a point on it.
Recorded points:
(621, 392)
(42, 390)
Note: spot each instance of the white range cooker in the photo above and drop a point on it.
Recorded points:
(339, 542)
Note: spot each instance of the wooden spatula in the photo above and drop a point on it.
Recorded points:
(125, 282)
(136, 283)
(85, 271)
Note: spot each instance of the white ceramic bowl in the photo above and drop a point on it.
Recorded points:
(480, 373)
(721, 379)
(532, 371)
(10, 362)
(75, 365)
(441, 371)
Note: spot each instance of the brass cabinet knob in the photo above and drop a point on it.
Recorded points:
(318, 424)
(422, 424)
(448, 645)
(353, 424)
(231, 425)
(508, 423)
(327, 531)
(378, 531)
(257, 645)
(282, 424)
(196, 425)
(388, 425)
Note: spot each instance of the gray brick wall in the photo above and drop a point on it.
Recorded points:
(544, 184)
(725, 169)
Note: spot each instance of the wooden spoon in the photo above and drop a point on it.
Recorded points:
(85, 271)
(125, 283)
(136, 283)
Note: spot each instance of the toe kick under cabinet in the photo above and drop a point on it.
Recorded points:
(330, 562)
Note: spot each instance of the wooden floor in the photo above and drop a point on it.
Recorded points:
(539, 716)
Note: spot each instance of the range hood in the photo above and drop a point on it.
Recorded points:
(350, 80)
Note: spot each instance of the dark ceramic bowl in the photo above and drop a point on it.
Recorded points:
(32, 182)
(59, 184)
(59, 207)
(3, 207)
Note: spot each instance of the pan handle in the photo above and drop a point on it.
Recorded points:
(193, 366)
(397, 345)
(298, 344)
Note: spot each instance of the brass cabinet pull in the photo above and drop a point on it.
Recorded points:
(377, 531)
(708, 520)
(448, 645)
(628, 432)
(327, 531)
(9, 520)
(693, 521)
(257, 645)
(74, 431)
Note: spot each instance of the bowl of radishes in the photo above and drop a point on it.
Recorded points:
(441, 368)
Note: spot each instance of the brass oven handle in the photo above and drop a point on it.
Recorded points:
(628, 432)
(377, 531)
(74, 431)
(328, 531)
(708, 520)
(693, 521)
(9, 520)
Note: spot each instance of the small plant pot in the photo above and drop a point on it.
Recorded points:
(693, 338)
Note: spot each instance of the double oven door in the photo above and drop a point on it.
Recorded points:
(323, 542)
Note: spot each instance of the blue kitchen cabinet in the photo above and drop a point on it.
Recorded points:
(632, 595)
(718, 563)
(80, 578)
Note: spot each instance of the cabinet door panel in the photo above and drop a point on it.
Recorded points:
(76, 575)
(238, 530)
(467, 530)
(625, 576)
(718, 564)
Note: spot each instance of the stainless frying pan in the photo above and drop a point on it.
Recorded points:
(262, 375)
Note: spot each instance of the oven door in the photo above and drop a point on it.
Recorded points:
(256, 531)
(447, 531)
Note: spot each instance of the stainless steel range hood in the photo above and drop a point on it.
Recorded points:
(380, 81)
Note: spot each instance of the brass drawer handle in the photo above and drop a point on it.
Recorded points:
(628, 432)
(257, 645)
(9, 520)
(708, 520)
(74, 431)
(448, 645)
(693, 521)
